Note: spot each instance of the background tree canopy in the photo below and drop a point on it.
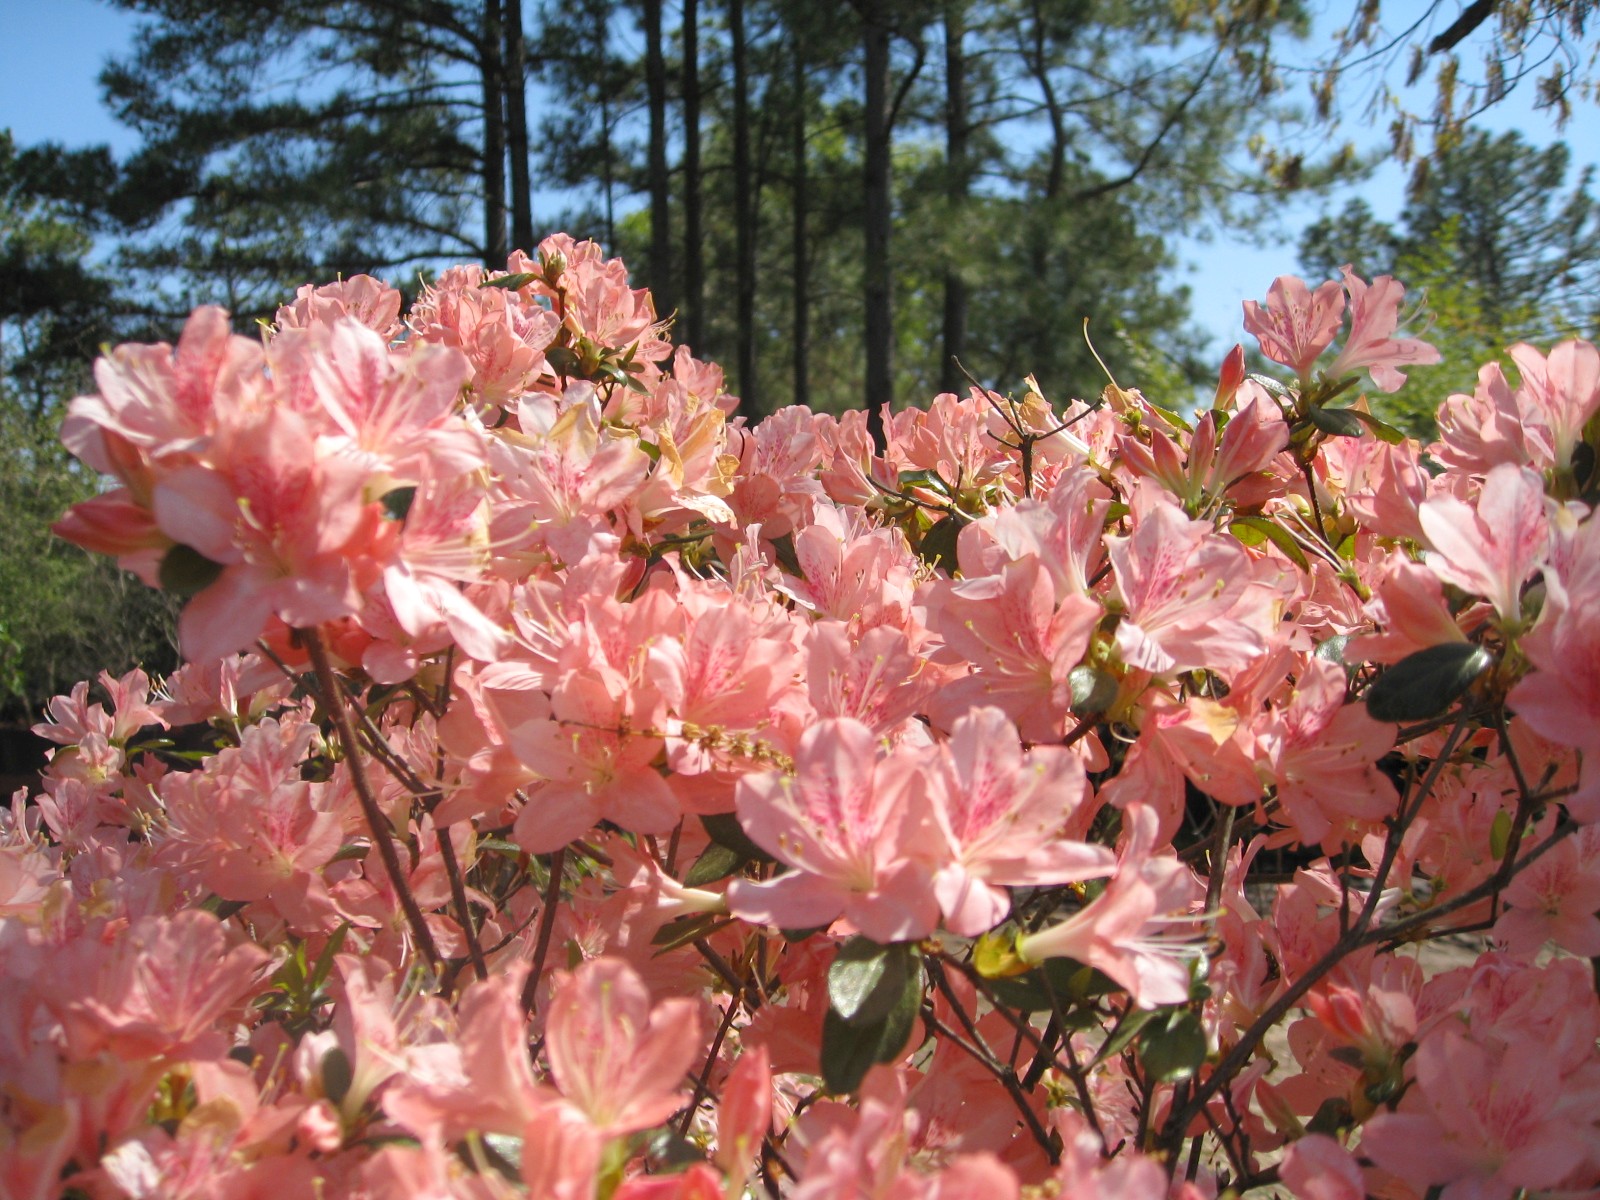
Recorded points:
(837, 199)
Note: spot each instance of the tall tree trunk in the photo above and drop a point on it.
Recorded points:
(876, 292)
(800, 206)
(608, 170)
(655, 73)
(494, 139)
(516, 85)
(744, 218)
(957, 184)
(694, 269)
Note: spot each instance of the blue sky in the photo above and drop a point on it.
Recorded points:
(51, 52)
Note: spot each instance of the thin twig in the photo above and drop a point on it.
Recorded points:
(458, 893)
(382, 832)
(547, 924)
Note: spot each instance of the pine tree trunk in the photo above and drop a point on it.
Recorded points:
(957, 183)
(801, 335)
(744, 218)
(516, 87)
(494, 139)
(694, 270)
(879, 318)
(655, 70)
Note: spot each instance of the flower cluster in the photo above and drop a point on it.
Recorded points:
(574, 791)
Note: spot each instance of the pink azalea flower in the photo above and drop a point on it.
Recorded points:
(850, 822)
(1187, 593)
(1555, 900)
(1563, 392)
(1004, 814)
(618, 1060)
(1482, 1121)
(1561, 700)
(1296, 325)
(1318, 1168)
(1127, 931)
(1374, 316)
(1492, 547)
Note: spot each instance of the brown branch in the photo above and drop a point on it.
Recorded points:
(547, 924)
(382, 831)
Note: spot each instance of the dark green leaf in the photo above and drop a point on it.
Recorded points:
(562, 360)
(324, 964)
(1093, 690)
(725, 830)
(1122, 1036)
(185, 571)
(1336, 422)
(1072, 982)
(718, 862)
(1174, 1047)
(850, 1051)
(1333, 649)
(866, 980)
(938, 548)
(1422, 685)
(671, 1152)
(1332, 1115)
(686, 929)
(513, 282)
(1380, 430)
(1272, 532)
(397, 502)
(783, 551)
(336, 1075)
(503, 1152)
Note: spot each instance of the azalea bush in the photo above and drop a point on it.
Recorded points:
(572, 790)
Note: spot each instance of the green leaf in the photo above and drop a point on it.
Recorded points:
(1072, 982)
(1500, 834)
(783, 551)
(324, 964)
(184, 571)
(687, 929)
(1336, 422)
(938, 548)
(562, 360)
(717, 862)
(670, 1152)
(922, 479)
(1093, 690)
(1379, 429)
(503, 1152)
(725, 830)
(1332, 1115)
(514, 282)
(1332, 650)
(1422, 685)
(1122, 1036)
(866, 980)
(336, 1075)
(1273, 532)
(1174, 1047)
(849, 1050)
(397, 502)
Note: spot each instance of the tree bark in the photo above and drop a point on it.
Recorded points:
(494, 139)
(876, 182)
(801, 334)
(957, 185)
(516, 88)
(655, 71)
(744, 218)
(694, 270)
